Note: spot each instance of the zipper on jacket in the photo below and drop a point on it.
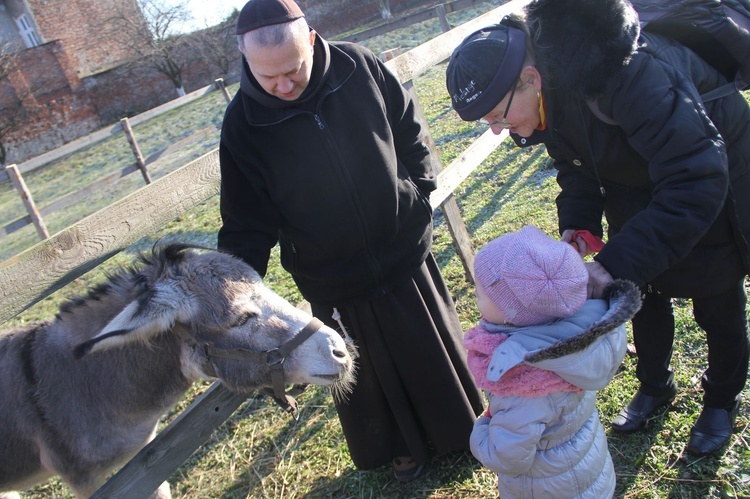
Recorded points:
(371, 260)
(591, 151)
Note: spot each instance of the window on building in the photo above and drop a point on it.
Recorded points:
(27, 31)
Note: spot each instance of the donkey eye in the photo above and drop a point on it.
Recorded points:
(242, 319)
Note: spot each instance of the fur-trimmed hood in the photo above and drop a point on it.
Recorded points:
(624, 301)
(569, 347)
(580, 45)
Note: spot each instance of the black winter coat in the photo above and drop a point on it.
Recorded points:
(672, 176)
(340, 178)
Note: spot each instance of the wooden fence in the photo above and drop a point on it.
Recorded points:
(37, 272)
(439, 11)
(35, 215)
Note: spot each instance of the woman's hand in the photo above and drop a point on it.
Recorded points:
(598, 279)
(579, 244)
(583, 241)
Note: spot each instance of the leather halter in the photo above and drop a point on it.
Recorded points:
(274, 358)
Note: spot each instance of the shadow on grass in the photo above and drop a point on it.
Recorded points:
(510, 187)
(631, 450)
(683, 476)
(249, 481)
(260, 474)
(441, 473)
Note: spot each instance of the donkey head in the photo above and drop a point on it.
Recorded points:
(215, 302)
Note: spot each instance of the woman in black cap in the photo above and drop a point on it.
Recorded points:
(621, 116)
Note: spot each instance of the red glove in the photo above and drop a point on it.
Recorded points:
(487, 413)
(595, 243)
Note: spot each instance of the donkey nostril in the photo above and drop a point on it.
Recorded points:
(339, 353)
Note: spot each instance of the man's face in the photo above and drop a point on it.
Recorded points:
(282, 70)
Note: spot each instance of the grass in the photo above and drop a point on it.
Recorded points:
(261, 452)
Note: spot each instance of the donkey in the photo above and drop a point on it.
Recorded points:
(83, 393)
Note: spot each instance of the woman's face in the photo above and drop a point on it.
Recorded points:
(518, 111)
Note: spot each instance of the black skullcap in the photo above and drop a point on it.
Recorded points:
(259, 13)
(483, 68)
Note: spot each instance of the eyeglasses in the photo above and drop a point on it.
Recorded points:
(502, 122)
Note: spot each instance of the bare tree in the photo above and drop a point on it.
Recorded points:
(385, 9)
(218, 44)
(153, 36)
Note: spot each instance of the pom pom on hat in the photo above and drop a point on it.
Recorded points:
(259, 13)
(531, 277)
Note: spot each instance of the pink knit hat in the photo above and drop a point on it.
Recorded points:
(532, 278)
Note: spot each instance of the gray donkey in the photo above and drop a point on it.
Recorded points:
(82, 394)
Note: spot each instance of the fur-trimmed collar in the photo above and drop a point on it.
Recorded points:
(580, 45)
(624, 301)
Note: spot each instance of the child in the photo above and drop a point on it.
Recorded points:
(540, 353)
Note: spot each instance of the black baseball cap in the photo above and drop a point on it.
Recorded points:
(483, 68)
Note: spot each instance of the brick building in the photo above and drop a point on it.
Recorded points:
(56, 45)
(70, 76)
(82, 27)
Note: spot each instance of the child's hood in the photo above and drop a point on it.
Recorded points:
(570, 347)
(522, 380)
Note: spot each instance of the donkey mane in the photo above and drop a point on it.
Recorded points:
(132, 275)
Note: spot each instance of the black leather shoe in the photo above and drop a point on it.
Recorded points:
(712, 430)
(642, 408)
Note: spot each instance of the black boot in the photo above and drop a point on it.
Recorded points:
(641, 408)
(712, 430)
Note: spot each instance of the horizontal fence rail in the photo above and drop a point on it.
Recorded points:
(438, 11)
(35, 214)
(115, 129)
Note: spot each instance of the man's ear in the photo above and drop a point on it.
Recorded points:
(313, 34)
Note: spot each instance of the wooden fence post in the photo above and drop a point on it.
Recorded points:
(221, 85)
(389, 54)
(140, 162)
(28, 201)
(453, 219)
(443, 17)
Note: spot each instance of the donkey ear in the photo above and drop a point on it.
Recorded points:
(153, 312)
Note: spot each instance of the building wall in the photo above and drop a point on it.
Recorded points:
(66, 99)
(126, 91)
(45, 94)
(59, 106)
(85, 29)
